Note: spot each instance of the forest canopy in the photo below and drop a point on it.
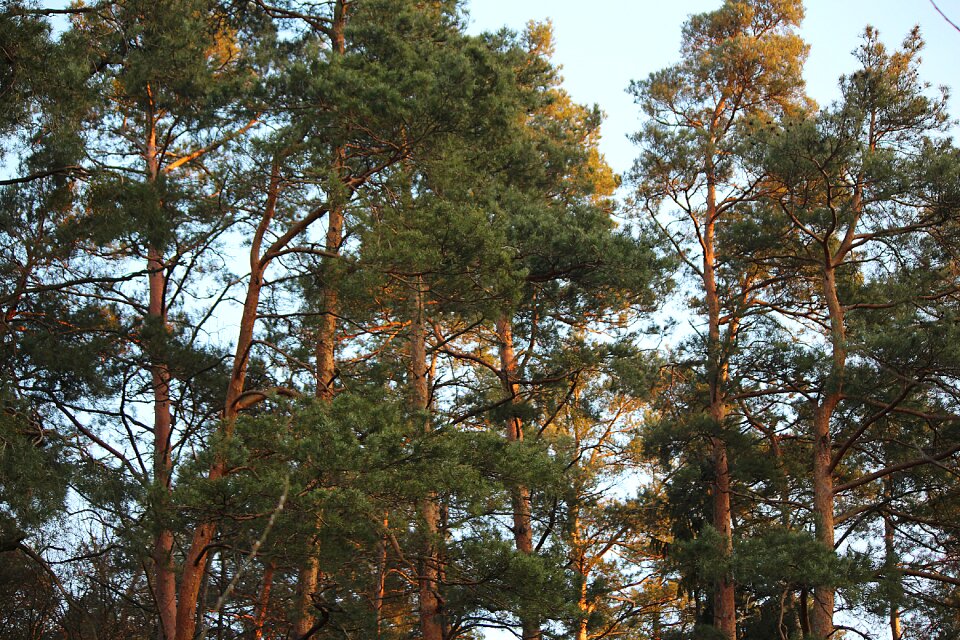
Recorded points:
(330, 320)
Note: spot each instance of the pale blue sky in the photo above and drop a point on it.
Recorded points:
(603, 44)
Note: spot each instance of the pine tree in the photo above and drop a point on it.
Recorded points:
(740, 61)
(857, 188)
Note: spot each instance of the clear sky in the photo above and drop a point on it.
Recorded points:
(603, 44)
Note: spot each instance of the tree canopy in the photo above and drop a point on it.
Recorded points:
(330, 320)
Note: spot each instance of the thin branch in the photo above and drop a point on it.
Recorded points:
(72, 170)
(222, 600)
(944, 16)
(916, 462)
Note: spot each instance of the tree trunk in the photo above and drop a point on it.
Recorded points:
(579, 563)
(431, 606)
(326, 375)
(823, 596)
(263, 601)
(724, 605)
(803, 613)
(724, 612)
(584, 607)
(203, 535)
(823, 500)
(326, 344)
(522, 521)
(380, 593)
(164, 574)
(896, 632)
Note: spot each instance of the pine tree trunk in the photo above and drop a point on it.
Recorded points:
(584, 606)
(164, 574)
(263, 601)
(889, 533)
(380, 592)
(823, 499)
(326, 376)
(195, 562)
(803, 613)
(724, 612)
(579, 565)
(165, 581)
(194, 567)
(326, 344)
(431, 608)
(522, 521)
(307, 580)
(823, 604)
(724, 605)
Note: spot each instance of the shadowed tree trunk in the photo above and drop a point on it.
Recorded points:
(326, 341)
(431, 606)
(522, 525)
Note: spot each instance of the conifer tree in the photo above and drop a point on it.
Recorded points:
(739, 61)
(863, 179)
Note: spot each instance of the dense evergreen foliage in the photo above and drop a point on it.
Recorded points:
(324, 320)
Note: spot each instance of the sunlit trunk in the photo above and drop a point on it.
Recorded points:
(889, 533)
(164, 573)
(823, 499)
(579, 565)
(380, 589)
(326, 347)
(263, 601)
(196, 558)
(724, 605)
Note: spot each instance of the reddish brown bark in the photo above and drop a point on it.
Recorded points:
(824, 596)
(821, 621)
(326, 375)
(164, 573)
(522, 522)
(724, 616)
(584, 606)
(578, 558)
(724, 605)
(889, 531)
(380, 589)
(196, 558)
(309, 575)
(263, 601)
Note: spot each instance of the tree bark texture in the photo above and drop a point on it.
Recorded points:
(824, 596)
(431, 605)
(164, 573)
(724, 605)
(326, 343)
(522, 521)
